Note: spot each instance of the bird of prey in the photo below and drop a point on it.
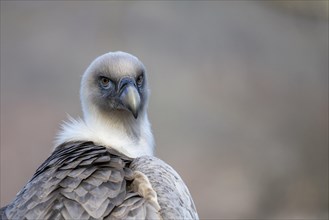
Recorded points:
(103, 166)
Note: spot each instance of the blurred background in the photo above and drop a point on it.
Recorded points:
(239, 103)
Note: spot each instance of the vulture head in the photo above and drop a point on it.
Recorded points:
(115, 85)
(114, 97)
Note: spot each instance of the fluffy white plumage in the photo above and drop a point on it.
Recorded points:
(108, 135)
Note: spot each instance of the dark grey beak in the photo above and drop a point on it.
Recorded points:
(129, 96)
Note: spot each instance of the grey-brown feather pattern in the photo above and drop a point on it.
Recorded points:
(173, 196)
(79, 181)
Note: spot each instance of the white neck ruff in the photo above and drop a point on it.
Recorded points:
(109, 135)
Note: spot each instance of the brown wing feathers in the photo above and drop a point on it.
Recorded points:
(79, 181)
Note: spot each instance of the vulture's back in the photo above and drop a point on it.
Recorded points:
(84, 181)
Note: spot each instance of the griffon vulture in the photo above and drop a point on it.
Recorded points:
(103, 165)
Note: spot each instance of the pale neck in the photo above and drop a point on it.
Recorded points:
(121, 131)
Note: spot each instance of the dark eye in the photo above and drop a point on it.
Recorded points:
(140, 80)
(105, 82)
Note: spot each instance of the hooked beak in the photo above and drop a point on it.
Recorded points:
(130, 98)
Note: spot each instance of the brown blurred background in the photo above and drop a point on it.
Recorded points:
(239, 102)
